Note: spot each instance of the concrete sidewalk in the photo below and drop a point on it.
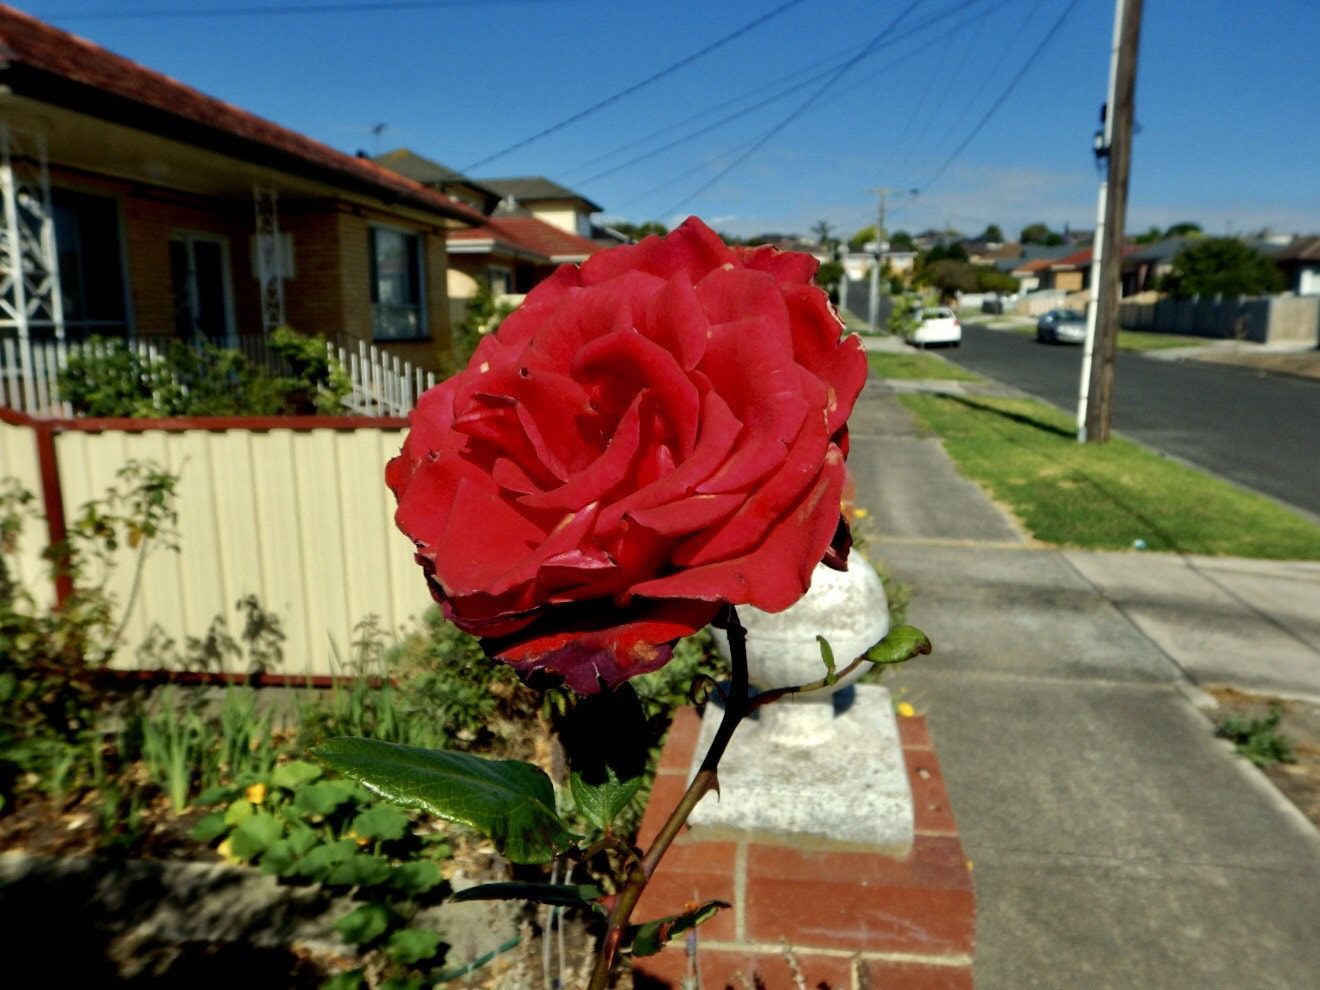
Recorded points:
(1115, 842)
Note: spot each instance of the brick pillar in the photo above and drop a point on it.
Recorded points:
(850, 917)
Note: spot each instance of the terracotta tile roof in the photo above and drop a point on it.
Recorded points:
(1300, 249)
(44, 52)
(1040, 264)
(530, 235)
(1078, 259)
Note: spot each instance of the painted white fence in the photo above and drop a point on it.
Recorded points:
(299, 518)
(382, 384)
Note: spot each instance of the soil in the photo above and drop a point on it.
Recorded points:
(1298, 781)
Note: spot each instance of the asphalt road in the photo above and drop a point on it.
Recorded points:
(1258, 430)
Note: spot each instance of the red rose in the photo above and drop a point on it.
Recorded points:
(647, 437)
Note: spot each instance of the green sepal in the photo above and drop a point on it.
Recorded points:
(509, 801)
(901, 644)
(561, 894)
(650, 937)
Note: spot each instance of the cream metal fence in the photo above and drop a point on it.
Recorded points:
(294, 512)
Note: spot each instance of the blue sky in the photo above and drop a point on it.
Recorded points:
(1228, 101)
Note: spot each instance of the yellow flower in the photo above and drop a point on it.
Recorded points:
(256, 793)
(227, 852)
(859, 513)
(905, 710)
(360, 840)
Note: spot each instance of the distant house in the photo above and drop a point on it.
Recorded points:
(515, 246)
(548, 201)
(511, 255)
(142, 208)
(1299, 261)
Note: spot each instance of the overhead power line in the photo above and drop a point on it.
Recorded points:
(999, 101)
(800, 110)
(831, 63)
(655, 77)
(354, 6)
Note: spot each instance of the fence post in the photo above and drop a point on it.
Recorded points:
(53, 501)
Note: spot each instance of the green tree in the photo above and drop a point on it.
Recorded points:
(989, 279)
(1151, 235)
(862, 238)
(945, 252)
(636, 231)
(824, 234)
(828, 275)
(992, 234)
(1184, 229)
(1039, 233)
(949, 276)
(1221, 266)
(901, 240)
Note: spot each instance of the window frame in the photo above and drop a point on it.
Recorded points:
(85, 328)
(417, 280)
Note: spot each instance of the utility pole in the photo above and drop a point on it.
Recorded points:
(877, 260)
(1095, 403)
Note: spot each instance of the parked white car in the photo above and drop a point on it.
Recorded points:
(939, 325)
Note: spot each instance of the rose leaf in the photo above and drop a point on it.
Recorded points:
(509, 801)
(650, 937)
(902, 643)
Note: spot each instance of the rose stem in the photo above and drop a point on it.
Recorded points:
(707, 778)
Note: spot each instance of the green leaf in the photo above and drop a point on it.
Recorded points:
(601, 803)
(255, 835)
(381, 822)
(650, 937)
(364, 924)
(565, 895)
(239, 811)
(361, 870)
(902, 643)
(350, 979)
(293, 775)
(413, 945)
(317, 864)
(510, 801)
(403, 983)
(209, 828)
(302, 838)
(279, 859)
(219, 794)
(606, 741)
(827, 657)
(417, 876)
(322, 797)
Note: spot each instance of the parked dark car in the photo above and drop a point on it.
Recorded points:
(1061, 326)
(994, 305)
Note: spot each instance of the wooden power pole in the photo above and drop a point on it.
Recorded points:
(1097, 396)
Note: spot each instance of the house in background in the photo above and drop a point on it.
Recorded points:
(547, 201)
(142, 208)
(517, 244)
(1299, 261)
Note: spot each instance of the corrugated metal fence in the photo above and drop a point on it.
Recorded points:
(293, 511)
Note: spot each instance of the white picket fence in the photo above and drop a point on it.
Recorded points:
(382, 384)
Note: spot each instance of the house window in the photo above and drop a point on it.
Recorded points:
(199, 274)
(396, 285)
(91, 260)
(501, 281)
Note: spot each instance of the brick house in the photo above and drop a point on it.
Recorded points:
(142, 208)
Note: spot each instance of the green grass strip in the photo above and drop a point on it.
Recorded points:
(917, 365)
(1104, 497)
